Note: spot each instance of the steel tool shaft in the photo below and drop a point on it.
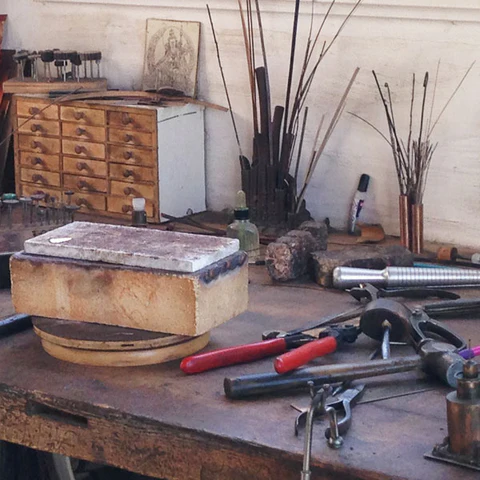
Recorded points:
(267, 383)
(347, 277)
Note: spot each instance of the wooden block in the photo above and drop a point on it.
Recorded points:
(139, 247)
(375, 257)
(143, 298)
(27, 85)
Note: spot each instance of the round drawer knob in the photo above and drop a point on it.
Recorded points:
(128, 173)
(82, 166)
(35, 127)
(81, 202)
(126, 119)
(127, 155)
(79, 115)
(128, 191)
(35, 144)
(33, 110)
(127, 208)
(82, 184)
(37, 179)
(80, 131)
(36, 161)
(128, 138)
(79, 149)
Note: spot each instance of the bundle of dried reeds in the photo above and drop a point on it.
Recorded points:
(271, 180)
(412, 157)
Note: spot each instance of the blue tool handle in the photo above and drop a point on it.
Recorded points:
(14, 324)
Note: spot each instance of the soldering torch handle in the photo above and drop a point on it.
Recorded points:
(302, 355)
(233, 355)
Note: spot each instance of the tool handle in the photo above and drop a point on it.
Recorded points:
(453, 309)
(14, 324)
(272, 383)
(300, 356)
(233, 355)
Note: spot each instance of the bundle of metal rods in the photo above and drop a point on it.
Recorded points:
(271, 178)
(412, 158)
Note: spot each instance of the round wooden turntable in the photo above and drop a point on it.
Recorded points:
(112, 346)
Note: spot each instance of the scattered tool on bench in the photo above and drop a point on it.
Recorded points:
(342, 399)
(329, 340)
(320, 406)
(437, 356)
(274, 342)
(334, 336)
(461, 447)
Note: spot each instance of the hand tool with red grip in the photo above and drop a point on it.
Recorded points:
(242, 353)
(328, 343)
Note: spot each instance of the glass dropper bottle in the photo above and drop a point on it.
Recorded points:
(244, 230)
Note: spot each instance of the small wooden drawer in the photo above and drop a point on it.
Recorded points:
(40, 161)
(39, 127)
(31, 143)
(80, 166)
(129, 190)
(124, 205)
(84, 116)
(41, 111)
(130, 173)
(85, 184)
(83, 132)
(83, 149)
(131, 156)
(29, 190)
(139, 139)
(90, 201)
(135, 121)
(40, 178)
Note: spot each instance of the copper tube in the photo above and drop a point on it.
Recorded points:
(417, 228)
(405, 221)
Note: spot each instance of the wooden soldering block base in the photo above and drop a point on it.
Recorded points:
(144, 298)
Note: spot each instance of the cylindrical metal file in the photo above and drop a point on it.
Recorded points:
(347, 277)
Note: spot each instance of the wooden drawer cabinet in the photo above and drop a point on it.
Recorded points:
(31, 143)
(127, 137)
(133, 121)
(38, 110)
(94, 168)
(131, 156)
(131, 173)
(128, 190)
(83, 132)
(29, 175)
(39, 127)
(39, 161)
(85, 184)
(110, 153)
(83, 116)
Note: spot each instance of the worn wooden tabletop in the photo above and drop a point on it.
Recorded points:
(158, 421)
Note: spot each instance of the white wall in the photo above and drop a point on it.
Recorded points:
(394, 37)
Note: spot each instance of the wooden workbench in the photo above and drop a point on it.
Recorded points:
(158, 421)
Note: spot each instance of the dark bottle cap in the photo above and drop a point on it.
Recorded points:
(241, 214)
(363, 183)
